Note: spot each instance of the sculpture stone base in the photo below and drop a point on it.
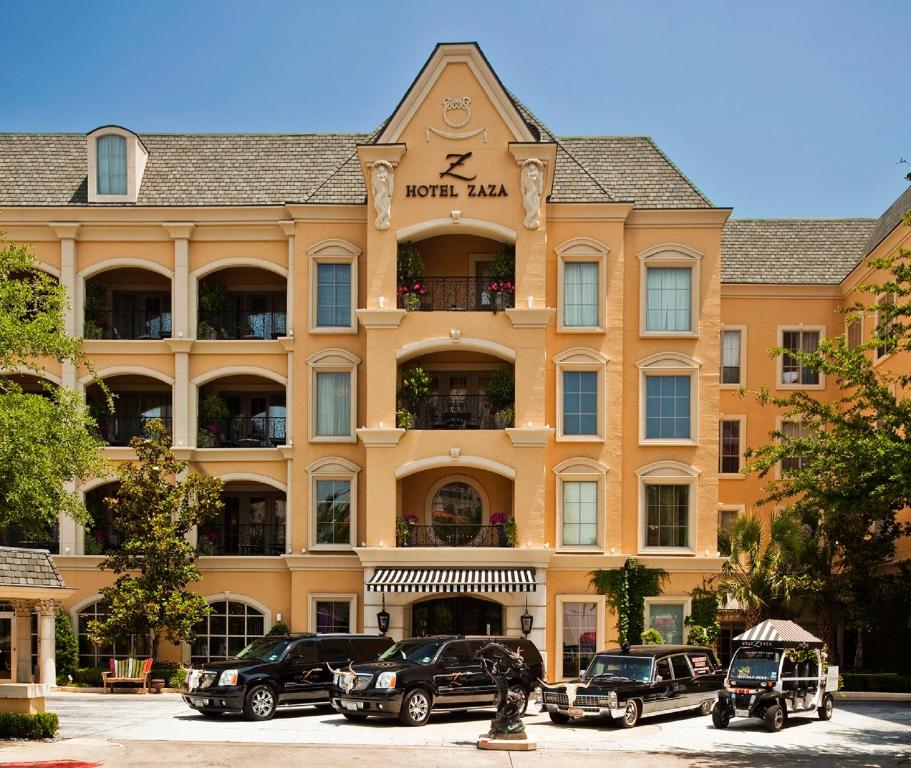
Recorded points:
(511, 742)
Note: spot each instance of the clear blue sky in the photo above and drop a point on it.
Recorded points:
(796, 108)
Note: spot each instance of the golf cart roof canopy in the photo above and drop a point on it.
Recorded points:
(780, 634)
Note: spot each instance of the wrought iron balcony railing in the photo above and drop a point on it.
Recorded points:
(241, 432)
(242, 325)
(119, 430)
(453, 535)
(14, 536)
(247, 539)
(461, 412)
(456, 294)
(112, 324)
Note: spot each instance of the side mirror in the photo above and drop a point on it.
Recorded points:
(451, 661)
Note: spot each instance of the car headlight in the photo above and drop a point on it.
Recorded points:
(612, 699)
(385, 680)
(228, 677)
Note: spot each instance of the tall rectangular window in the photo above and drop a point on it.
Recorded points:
(667, 515)
(668, 299)
(580, 635)
(667, 407)
(580, 513)
(333, 404)
(580, 293)
(580, 403)
(667, 618)
(794, 430)
(111, 157)
(884, 325)
(333, 295)
(855, 334)
(333, 616)
(333, 512)
(793, 371)
(729, 450)
(730, 357)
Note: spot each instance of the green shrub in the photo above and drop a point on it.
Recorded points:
(178, 678)
(884, 683)
(89, 677)
(652, 637)
(19, 725)
(278, 628)
(66, 649)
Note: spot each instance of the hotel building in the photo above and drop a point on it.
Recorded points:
(243, 287)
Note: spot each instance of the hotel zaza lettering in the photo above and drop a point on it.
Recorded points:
(456, 161)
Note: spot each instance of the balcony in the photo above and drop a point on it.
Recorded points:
(241, 324)
(241, 432)
(127, 304)
(132, 324)
(251, 522)
(100, 537)
(242, 303)
(456, 294)
(453, 535)
(460, 412)
(118, 431)
(14, 536)
(241, 412)
(137, 401)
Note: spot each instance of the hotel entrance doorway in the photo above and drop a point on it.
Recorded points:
(457, 616)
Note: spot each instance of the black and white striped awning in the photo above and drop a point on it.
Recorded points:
(778, 632)
(452, 580)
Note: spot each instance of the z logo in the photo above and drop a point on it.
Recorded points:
(457, 163)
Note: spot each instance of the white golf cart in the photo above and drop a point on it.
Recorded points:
(776, 672)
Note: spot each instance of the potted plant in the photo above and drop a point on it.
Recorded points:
(504, 417)
(413, 392)
(215, 413)
(214, 301)
(404, 419)
(410, 277)
(404, 529)
(503, 277)
(507, 532)
(96, 293)
(501, 392)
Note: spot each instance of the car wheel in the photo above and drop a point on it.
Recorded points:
(415, 707)
(354, 717)
(828, 704)
(559, 718)
(720, 716)
(774, 718)
(260, 703)
(705, 708)
(630, 715)
(209, 713)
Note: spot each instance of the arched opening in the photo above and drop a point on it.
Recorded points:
(97, 656)
(456, 273)
(127, 303)
(456, 390)
(251, 522)
(468, 508)
(231, 625)
(241, 411)
(456, 616)
(137, 400)
(242, 303)
(99, 536)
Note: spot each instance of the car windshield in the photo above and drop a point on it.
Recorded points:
(265, 649)
(627, 667)
(418, 651)
(753, 664)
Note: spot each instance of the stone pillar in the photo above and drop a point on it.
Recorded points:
(180, 233)
(22, 640)
(180, 403)
(288, 228)
(47, 667)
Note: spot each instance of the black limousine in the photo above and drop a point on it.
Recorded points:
(638, 681)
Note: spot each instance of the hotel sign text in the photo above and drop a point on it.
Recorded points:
(455, 170)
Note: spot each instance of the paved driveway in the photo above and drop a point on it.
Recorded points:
(857, 728)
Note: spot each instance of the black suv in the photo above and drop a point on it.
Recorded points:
(277, 669)
(422, 674)
(638, 681)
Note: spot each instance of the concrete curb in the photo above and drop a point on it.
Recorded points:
(872, 696)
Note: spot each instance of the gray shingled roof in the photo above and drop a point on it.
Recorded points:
(28, 568)
(796, 251)
(889, 220)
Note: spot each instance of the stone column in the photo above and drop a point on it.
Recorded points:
(22, 640)
(47, 667)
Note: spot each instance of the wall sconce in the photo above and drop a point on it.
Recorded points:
(527, 620)
(381, 301)
(382, 617)
(278, 617)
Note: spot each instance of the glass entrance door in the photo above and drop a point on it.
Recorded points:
(457, 616)
(7, 656)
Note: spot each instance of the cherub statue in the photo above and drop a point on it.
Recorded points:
(382, 181)
(532, 191)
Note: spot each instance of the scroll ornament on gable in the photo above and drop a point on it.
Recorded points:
(532, 191)
(382, 179)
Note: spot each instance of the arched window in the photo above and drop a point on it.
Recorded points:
(456, 513)
(112, 165)
(226, 630)
(91, 655)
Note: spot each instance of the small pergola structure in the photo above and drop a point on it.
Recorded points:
(30, 583)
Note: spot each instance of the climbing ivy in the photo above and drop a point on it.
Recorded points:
(703, 619)
(626, 589)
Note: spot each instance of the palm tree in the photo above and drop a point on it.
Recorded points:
(762, 577)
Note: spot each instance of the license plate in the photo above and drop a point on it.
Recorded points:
(742, 712)
(353, 704)
(575, 712)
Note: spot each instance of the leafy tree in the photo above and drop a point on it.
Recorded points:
(66, 649)
(46, 438)
(155, 508)
(762, 574)
(626, 589)
(854, 473)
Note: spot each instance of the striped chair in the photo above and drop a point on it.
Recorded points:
(128, 671)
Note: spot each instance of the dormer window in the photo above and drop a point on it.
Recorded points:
(112, 165)
(116, 163)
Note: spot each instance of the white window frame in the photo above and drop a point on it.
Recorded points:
(582, 359)
(737, 509)
(582, 470)
(779, 359)
(137, 157)
(582, 249)
(670, 255)
(332, 251)
(779, 427)
(686, 602)
(331, 597)
(333, 361)
(600, 639)
(332, 468)
(742, 329)
(742, 419)
(668, 473)
(669, 364)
